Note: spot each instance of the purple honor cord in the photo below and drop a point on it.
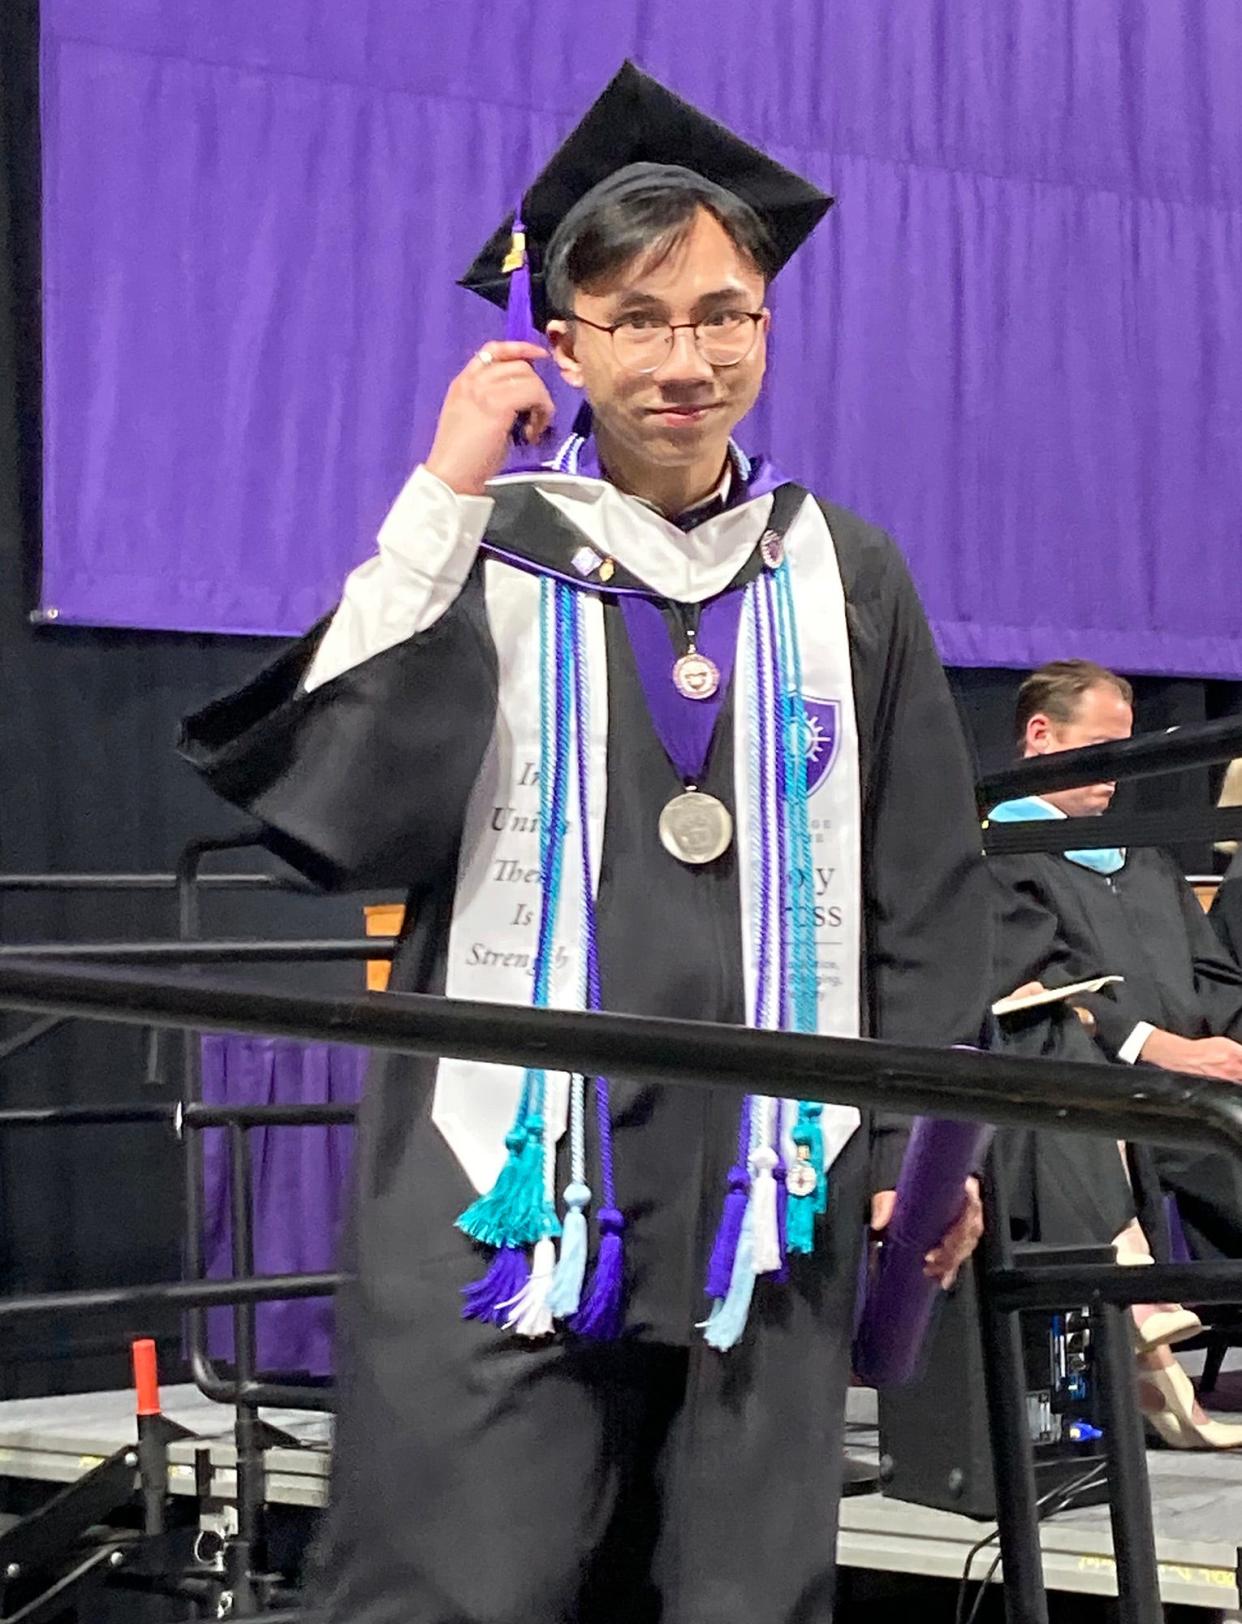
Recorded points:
(685, 726)
(601, 1312)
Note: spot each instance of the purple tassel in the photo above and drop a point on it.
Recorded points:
(602, 1313)
(490, 1299)
(519, 311)
(519, 314)
(720, 1268)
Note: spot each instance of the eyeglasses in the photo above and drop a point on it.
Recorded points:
(644, 343)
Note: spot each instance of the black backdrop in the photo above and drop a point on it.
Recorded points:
(88, 781)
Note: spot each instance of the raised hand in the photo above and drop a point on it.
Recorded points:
(496, 386)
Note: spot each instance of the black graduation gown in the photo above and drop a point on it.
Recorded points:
(1059, 922)
(1062, 1189)
(363, 782)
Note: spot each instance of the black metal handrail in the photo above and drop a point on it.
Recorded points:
(1144, 755)
(170, 1294)
(1203, 1284)
(1080, 1097)
(1112, 829)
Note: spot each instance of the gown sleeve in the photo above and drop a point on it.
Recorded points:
(925, 888)
(357, 749)
(1031, 945)
(1116, 1013)
(1028, 945)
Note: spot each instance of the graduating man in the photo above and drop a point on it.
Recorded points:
(646, 728)
(1082, 914)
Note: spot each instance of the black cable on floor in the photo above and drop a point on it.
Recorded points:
(1056, 1500)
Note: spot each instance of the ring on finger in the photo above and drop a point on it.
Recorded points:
(486, 357)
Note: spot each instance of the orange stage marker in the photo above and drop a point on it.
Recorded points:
(146, 1377)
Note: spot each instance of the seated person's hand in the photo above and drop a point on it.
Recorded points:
(1203, 1057)
(955, 1248)
(1029, 988)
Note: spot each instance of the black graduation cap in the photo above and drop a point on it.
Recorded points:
(636, 120)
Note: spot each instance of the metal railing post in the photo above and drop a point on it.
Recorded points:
(1013, 1463)
(1129, 1492)
(244, 1555)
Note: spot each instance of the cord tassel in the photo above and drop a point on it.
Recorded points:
(723, 1327)
(487, 1299)
(724, 1248)
(602, 1316)
(514, 1211)
(765, 1233)
(566, 1289)
(528, 1312)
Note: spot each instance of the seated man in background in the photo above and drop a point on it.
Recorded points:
(1073, 916)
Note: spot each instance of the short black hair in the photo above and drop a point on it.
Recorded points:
(644, 210)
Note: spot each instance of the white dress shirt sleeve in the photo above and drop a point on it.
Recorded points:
(1133, 1046)
(427, 545)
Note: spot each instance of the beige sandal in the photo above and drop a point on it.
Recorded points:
(1167, 1401)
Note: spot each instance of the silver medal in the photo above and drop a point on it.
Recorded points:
(696, 828)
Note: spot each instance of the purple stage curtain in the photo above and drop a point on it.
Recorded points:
(1017, 343)
(299, 1182)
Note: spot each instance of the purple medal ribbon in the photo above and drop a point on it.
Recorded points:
(685, 726)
